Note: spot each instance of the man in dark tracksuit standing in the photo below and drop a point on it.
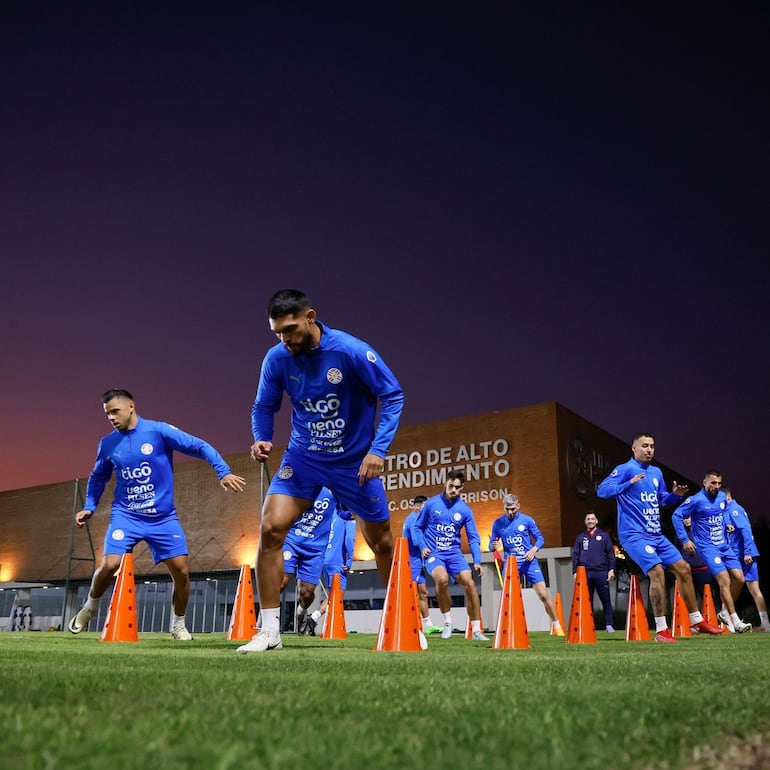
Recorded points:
(594, 550)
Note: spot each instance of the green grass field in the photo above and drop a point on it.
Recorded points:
(76, 702)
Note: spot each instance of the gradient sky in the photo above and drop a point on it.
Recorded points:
(511, 206)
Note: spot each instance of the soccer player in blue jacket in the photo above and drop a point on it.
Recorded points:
(303, 554)
(437, 533)
(417, 566)
(140, 453)
(741, 538)
(640, 490)
(346, 405)
(521, 538)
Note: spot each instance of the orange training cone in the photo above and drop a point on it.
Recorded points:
(581, 617)
(334, 628)
(709, 610)
(401, 625)
(637, 627)
(468, 629)
(559, 613)
(120, 623)
(511, 630)
(243, 621)
(680, 622)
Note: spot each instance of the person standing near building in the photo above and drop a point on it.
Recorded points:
(705, 509)
(416, 564)
(593, 549)
(346, 405)
(640, 490)
(520, 537)
(437, 532)
(741, 538)
(140, 453)
(303, 553)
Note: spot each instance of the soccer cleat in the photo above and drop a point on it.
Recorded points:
(311, 624)
(478, 636)
(704, 627)
(558, 630)
(447, 632)
(431, 630)
(262, 641)
(180, 633)
(742, 628)
(303, 627)
(724, 617)
(610, 629)
(664, 636)
(80, 620)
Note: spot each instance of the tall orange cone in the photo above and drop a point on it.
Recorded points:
(243, 621)
(680, 622)
(334, 628)
(120, 623)
(511, 630)
(709, 610)
(581, 617)
(637, 627)
(559, 613)
(401, 625)
(468, 629)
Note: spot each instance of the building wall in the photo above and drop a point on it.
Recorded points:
(549, 456)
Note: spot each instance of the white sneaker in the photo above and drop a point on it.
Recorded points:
(742, 628)
(447, 632)
(262, 641)
(724, 617)
(80, 620)
(478, 636)
(180, 632)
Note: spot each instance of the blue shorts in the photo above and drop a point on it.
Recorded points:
(719, 558)
(329, 571)
(530, 570)
(415, 562)
(453, 561)
(648, 550)
(163, 534)
(750, 571)
(305, 563)
(304, 477)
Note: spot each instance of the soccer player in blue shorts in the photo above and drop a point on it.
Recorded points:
(705, 510)
(140, 453)
(346, 405)
(521, 537)
(437, 533)
(640, 490)
(338, 558)
(417, 566)
(741, 538)
(303, 554)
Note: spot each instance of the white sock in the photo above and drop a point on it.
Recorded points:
(734, 617)
(271, 619)
(447, 618)
(475, 626)
(555, 624)
(427, 622)
(176, 620)
(316, 615)
(661, 624)
(91, 603)
(764, 622)
(695, 617)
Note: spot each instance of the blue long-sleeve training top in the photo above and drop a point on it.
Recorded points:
(706, 516)
(518, 535)
(439, 526)
(742, 539)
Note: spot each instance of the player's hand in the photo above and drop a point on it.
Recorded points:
(638, 477)
(260, 450)
(680, 489)
(425, 552)
(689, 546)
(81, 517)
(611, 575)
(530, 554)
(231, 481)
(478, 569)
(371, 467)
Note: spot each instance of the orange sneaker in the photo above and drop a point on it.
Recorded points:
(664, 636)
(704, 627)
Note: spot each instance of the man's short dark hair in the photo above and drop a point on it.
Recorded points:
(108, 395)
(459, 475)
(287, 302)
(419, 499)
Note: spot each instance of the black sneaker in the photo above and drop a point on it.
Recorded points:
(311, 624)
(302, 627)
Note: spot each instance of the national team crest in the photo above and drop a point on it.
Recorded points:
(370, 357)
(146, 449)
(334, 376)
(286, 472)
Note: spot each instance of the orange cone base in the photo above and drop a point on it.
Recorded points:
(637, 627)
(680, 625)
(335, 613)
(243, 621)
(581, 617)
(120, 623)
(511, 630)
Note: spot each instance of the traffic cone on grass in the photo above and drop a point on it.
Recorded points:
(401, 625)
(511, 629)
(680, 622)
(637, 627)
(581, 617)
(710, 611)
(334, 628)
(120, 623)
(559, 613)
(243, 621)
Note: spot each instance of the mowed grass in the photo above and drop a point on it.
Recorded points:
(76, 702)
